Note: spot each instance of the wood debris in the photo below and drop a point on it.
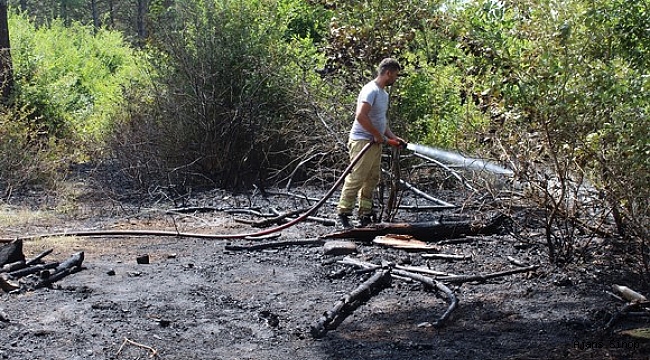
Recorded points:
(404, 242)
(349, 302)
(18, 274)
(433, 280)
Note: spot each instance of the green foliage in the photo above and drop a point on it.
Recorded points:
(72, 77)
(302, 20)
(25, 160)
(622, 29)
(430, 101)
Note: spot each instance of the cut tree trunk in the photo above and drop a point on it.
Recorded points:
(425, 231)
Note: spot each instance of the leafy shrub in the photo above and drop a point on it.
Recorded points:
(25, 160)
(72, 77)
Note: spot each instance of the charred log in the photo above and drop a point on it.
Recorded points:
(350, 302)
(70, 266)
(425, 231)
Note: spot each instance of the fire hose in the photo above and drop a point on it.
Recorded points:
(293, 222)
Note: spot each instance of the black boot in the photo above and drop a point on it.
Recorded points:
(365, 220)
(344, 220)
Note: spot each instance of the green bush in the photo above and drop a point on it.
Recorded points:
(72, 77)
(25, 160)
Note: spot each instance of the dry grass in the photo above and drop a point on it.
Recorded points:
(22, 217)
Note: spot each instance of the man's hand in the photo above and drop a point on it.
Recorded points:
(396, 142)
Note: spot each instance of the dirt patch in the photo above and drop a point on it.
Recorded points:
(197, 300)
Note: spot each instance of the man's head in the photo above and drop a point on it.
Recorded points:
(388, 64)
(389, 69)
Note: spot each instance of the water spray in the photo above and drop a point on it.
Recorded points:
(453, 158)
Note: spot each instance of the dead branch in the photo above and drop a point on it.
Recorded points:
(426, 196)
(626, 310)
(447, 256)
(629, 294)
(458, 279)
(32, 270)
(516, 262)
(71, 265)
(193, 209)
(38, 257)
(394, 176)
(264, 237)
(12, 266)
(422, 270)
(425, 207)
(349, 302)
(281, 218)
(450, 170)
(115, 233)
(437, 285)
(244, 211)
(278, 219)
(403, 272)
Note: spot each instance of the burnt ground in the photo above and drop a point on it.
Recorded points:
(198, 300)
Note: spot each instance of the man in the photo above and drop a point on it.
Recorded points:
(370, 125)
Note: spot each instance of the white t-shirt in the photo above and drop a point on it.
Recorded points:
(378, 100)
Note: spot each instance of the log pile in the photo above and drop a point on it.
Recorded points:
(20, 274)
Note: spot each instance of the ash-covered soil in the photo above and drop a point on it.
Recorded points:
(198, 300)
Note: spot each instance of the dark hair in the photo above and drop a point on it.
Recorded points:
(388, 64)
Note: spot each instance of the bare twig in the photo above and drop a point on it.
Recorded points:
(447, 256)
(470, 278)
(126, 341)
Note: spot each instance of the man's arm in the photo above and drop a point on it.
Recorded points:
(363, 109)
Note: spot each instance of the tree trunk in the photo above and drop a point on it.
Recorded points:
(96, 22)
(6, 72)
(142, 16)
